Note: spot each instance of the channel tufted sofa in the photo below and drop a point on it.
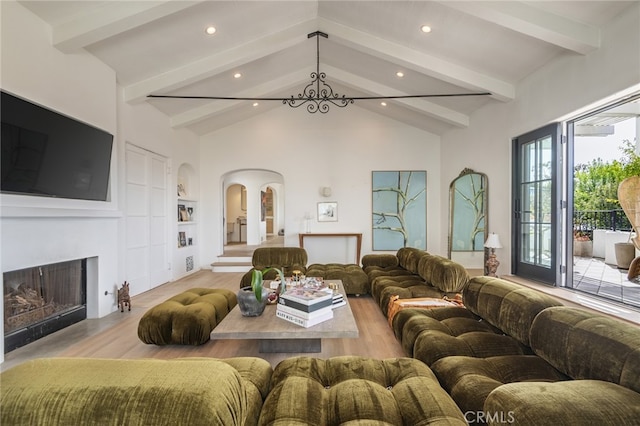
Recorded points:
(585, 369)
(599, 355)
(289, 259)
(351, 390)
(516, 355)
(496, 321)
(512, 355)
(224, 392)
(412, 273)
(352, 276)
(83, 391)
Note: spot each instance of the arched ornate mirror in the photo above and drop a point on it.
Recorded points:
(468, 218)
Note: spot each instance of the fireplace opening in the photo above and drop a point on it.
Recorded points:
(41, 300)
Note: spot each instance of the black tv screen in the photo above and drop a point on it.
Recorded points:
(45, 153)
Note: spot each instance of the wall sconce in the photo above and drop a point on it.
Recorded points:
(493, 242)
(325, 191)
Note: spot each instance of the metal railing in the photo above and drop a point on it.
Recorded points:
(585, 221)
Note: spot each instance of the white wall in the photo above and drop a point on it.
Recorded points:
(234, 211)
(339, 150)
(38, 230)
(147, 128)
(566, 84)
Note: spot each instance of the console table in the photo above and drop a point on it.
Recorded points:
(358, 237)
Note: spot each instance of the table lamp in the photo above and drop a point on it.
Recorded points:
(493, 242)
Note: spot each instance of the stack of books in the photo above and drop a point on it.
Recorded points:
(305, 307)
(338, 300)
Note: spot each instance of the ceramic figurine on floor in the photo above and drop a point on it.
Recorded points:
(123, 297)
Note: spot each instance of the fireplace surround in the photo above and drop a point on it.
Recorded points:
(43, 299)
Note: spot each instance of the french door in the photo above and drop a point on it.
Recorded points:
(536, 222)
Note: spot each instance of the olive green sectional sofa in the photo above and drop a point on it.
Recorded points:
(83, 391)
(496, 321)
(225, 392)
(511, 355)
(351, 390)
(289, 259)
(516, 355)
(412, 273)
(585, 370)
(352, 276)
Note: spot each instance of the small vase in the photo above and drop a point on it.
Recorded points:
(249, 305)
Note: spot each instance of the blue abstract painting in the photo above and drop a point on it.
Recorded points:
(399, 209)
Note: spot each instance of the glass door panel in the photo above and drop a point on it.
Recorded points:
(535, 205)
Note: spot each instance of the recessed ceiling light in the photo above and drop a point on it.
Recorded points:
(400, 74)
(210, 30)
(383, 103)
(255, 104)
(237, 75)
(425, 29)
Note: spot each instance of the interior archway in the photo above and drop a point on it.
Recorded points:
(252, 200)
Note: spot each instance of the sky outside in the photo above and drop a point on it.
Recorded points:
(607, 148)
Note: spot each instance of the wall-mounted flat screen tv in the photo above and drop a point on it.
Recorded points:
(48, 154)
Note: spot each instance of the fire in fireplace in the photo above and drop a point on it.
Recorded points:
(41, 300)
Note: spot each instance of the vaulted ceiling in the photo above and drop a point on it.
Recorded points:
(161, 48)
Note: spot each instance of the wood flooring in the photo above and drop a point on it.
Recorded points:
(115, 336)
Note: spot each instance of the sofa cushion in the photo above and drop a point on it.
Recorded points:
(508, 306)
(81, 391)
(379, 261)
(353, 278)
(354, 390)
(470, 380)
(380, 283)
(573, 402)
(287, 259)
(409, 258)
(586, 345)
(401, 319)
(393, 271)
(256, 375)
(429, 335)
(442, 273)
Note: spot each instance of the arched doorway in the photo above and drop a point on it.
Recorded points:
(253, 206)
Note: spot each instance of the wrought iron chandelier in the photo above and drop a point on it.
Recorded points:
(318, 95)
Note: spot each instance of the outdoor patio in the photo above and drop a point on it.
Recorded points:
(593, 276)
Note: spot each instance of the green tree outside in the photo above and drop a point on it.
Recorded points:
(596, 183)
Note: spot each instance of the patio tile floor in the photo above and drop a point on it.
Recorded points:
(591, 275)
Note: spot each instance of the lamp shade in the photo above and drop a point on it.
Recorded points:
(493, 241)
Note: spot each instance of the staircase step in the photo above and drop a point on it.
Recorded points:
(227, 266)
(234, 259)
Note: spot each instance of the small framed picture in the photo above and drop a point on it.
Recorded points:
(328, 211)
(183, 215)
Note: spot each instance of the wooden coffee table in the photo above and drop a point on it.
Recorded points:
(277, 335)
